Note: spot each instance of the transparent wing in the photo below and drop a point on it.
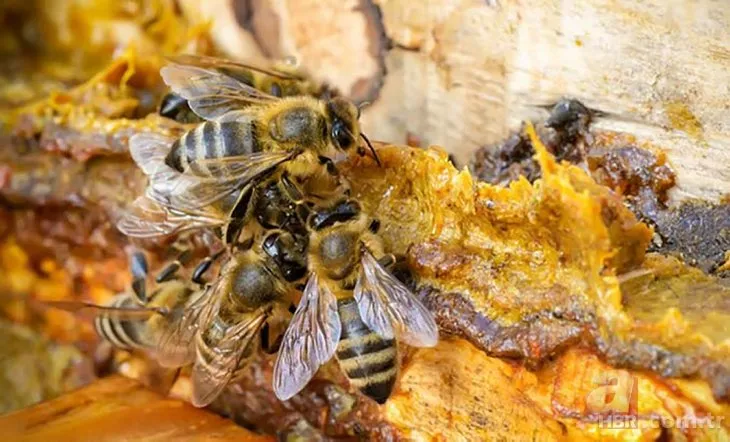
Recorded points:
(145, 218)
(390, 309)
(187, 192)
(245, 167)
(213, 372)
(232, 68)
(310, 340)
(167, 185)
(211, 93)
(149, 150)
(215, 107)
(115, 312)
(176, 345)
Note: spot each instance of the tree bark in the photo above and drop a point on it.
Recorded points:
(464, 73)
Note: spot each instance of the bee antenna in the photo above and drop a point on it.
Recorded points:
(362, 106)
(372, 149)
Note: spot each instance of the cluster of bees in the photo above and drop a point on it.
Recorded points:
(259, 170)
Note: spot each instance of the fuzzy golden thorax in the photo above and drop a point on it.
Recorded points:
(335, 252)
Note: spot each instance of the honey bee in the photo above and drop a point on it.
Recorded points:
(275, 201)
(128, 325)
(220, 334)
(248, 135)
(133, 320)
(281, 80)
(352, 307)
(215, 327)
(276, 206)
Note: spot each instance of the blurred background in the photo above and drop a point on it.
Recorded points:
(78, 77)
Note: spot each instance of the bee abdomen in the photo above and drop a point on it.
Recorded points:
(369, 361)
(124, 334)
(211, 140)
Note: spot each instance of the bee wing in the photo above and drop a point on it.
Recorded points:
(211, 93)
(115, 312)
(246, 167)
(390, 309)
(149, 149)
(145, 218)
(212, 374)
(310, 340)
(216, 106)
(176, 345)
(187, 192)
(232, 68)
(161, 379)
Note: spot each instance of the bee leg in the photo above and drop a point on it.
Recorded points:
(292, 191)
(374, 225)
(387, 261)
(169, 271)
(329, 164)
(203, 267)
(138, 268)
(161, 379)
(270, 339)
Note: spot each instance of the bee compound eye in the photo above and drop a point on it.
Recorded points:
(340, 135)
(270, 242)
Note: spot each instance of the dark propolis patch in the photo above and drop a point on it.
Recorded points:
(633, 172)
(696, 231)
(532, 339)
(535, 339)
(564, 133)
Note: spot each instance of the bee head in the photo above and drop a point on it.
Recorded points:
(341, 212)
(344, 129)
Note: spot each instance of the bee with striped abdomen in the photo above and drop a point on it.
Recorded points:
(136, 320)
(275, 201)
(216, 328)
(352, 307)
(248, 134)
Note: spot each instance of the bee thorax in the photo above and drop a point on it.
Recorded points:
(253, 285)
(338, 254)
